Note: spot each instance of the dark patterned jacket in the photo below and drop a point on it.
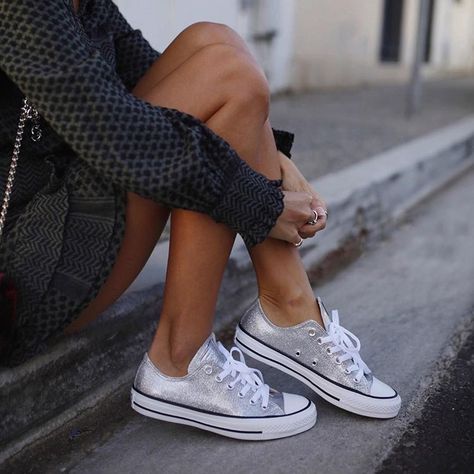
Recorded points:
(67, 213)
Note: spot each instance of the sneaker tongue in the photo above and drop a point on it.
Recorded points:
(207, 352)
(324, 313)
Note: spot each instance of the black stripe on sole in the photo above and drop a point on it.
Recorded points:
(215, 414)
(317, 373)
(195, 421)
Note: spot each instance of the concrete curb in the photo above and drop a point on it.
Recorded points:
(365, 199)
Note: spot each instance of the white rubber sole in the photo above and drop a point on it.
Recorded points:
(344, 398)
(252, 428)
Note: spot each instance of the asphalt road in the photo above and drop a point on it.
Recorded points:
(441, 440)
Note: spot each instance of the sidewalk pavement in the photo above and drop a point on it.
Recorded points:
(99, 363)
(335, 129)
(405, 299)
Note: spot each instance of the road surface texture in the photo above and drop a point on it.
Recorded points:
(334, 129)
(442, 439)
(410, 300)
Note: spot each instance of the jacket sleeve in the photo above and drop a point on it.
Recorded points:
(160, 153)
(135, 55)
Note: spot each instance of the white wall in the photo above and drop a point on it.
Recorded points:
(162, 20)
(320, 43)
(275, 56)
(337, 42)
(453, 46)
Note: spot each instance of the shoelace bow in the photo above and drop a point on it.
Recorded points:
(251, 379)
(346, 342)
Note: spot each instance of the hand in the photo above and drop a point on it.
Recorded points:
(296, 212)
(293, 180)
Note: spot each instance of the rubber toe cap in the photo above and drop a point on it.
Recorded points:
(381, 389)
(293, 403)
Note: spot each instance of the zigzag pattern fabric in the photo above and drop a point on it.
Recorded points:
(67, 214)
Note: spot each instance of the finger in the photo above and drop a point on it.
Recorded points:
(322, 218)
(312, 218)
(299, 243)
(321, 222)
(318, 216)
(317, 201)
(290, 235)
(313, 228)
(310, 230)
(307, 212)
(306, 234)
(321, 215)
(322, 211)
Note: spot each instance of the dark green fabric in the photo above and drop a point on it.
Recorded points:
(67, 215)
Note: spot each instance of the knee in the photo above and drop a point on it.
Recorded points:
(252, 91)
(238, 74)
(204, 33)
(232, 63)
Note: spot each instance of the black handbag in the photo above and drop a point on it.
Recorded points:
(8, 291)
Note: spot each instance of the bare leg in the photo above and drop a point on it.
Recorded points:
(146, 219)
(200, 247)
(198, 255)
(283, 286)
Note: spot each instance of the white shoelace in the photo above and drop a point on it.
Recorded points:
(250, 379)
(346, 342)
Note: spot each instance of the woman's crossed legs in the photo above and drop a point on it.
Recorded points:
(207, 72)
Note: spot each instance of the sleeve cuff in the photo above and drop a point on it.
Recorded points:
(250, 204)
(284, 141)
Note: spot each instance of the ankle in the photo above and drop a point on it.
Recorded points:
(290, 309)
(171, 359)
(172, 356)
(165, 363)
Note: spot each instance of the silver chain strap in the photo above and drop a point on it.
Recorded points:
(27, 112)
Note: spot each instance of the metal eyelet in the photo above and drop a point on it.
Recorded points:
(312, 332)
(264, 407)
(328, 350)
(314, 362)
(218, 379)
(230, 387)
(337, 361)
(251, 402)
(319, 340)
(347, 371)
(298, 353)
(240, 395)
(208, 369)
(355, 380)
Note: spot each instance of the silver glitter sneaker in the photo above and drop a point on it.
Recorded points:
(326, 359)
(220, 394)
